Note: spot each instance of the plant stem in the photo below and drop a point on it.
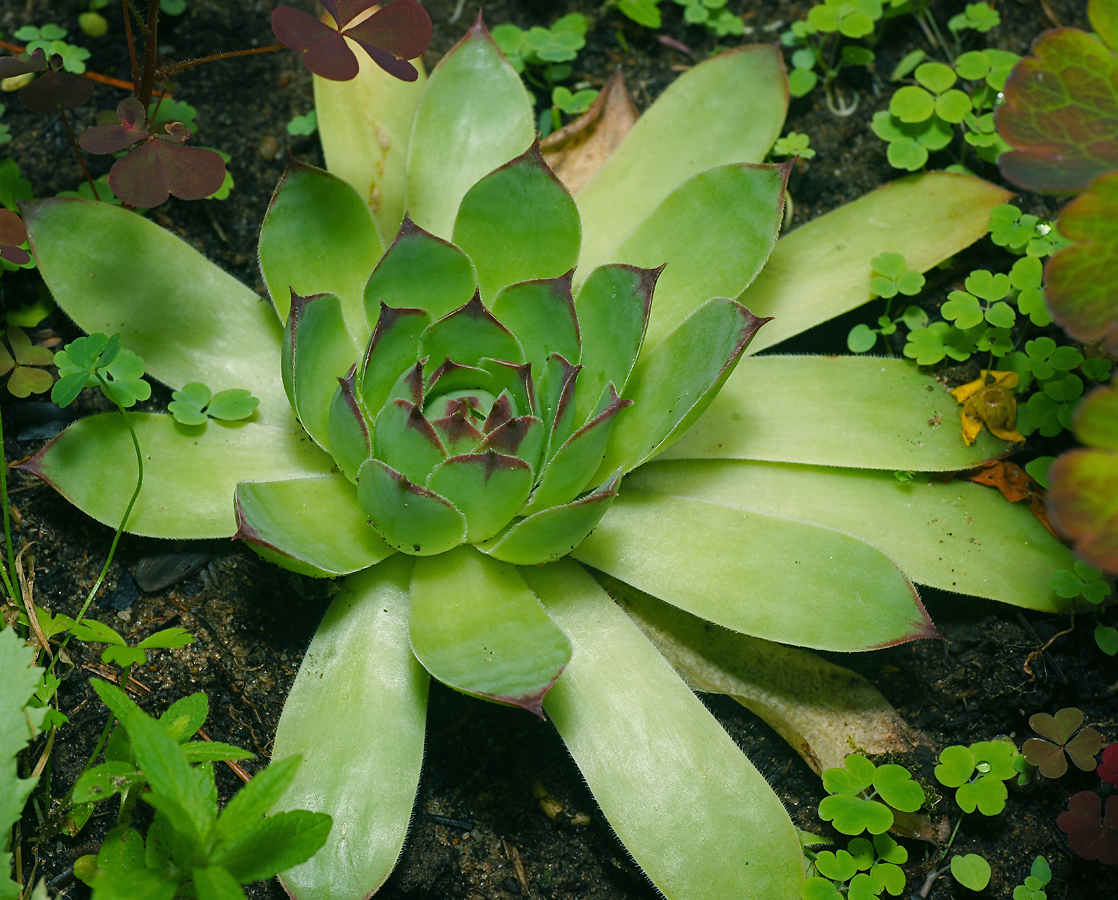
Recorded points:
(151, 53)
(78, 154)
(229, 54)
(127, 512)
(7, 571)
(124, 7)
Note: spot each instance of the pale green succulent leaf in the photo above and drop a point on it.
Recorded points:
(405, 440)
(348, 432)
(517, 223)
(541, 314)
(359, 669)
(762, 575)
(185, 317)
(728, 110)
(391, 352)
(487, 487)
(370, 151)
(552, 533)
(467, 335)
(572, 466)
(613, 306)
(823, 268)
(853, 411)
(310, 521)
(420, 271)
(672, 385)
(408, 517)
(645, 743)
(515, 380)
(318, 237)
(474, 116)
(317, 351)
(714, 233)
(93, 465)
(950, 536)
(476, 627)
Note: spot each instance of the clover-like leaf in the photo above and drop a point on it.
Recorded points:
(1078, 276)
(55, 89)
(963, 309)
(956, 765)
(896, 786)
(838, 865)
(1108, 765)
(77, 363)
(195, 403)
(971, 871)
(25, 362)
(392, 35)
(1090, 834)
(1047, 752)
(1058, 113)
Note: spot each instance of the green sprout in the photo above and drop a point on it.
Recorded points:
(980, 17)
(195, 404)
(643, 12)
(119, 653)
(303, 126)
(979, 773)
(27, 362)
(1024, 233)
(851, 806)
(1035, 882)
(1083, 580)
(463, 390)
(99, 360)
(713, 15)
(794, 143)
(573, 104)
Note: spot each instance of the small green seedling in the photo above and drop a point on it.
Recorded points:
(979, 773)
(196, 404)
(1024, 233)
(713, 15)
(1060, 738)
(971, 871)
(980, 17)
(572, 103)
(891, 276)
(1037, 879)
(539, 46)
(794, 143)
(1082, 581)
(643, 12)
(119, 653)
(861, 872)
(851, 806)
(190, 845)
(303, 126)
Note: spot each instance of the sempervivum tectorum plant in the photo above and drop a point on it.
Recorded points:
(479, 388)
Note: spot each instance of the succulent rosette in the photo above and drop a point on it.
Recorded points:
(464, 376)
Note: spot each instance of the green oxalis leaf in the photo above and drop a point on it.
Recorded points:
(196, 403)
(979, 773)
(853, 813)
(971, 871)
(1059, 111)
(84, 358)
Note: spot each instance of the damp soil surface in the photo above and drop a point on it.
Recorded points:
(480, 829)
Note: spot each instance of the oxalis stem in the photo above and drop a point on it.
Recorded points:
(8, 570)
(127, 512)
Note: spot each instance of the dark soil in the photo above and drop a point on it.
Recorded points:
(478, 830)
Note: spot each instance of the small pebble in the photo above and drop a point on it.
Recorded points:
(268, 148)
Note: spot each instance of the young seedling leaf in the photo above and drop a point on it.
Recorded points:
(971, 871)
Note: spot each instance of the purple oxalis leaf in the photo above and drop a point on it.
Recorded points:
(1090, 834)
(51, 91)
(131, 128)
(390, 36)
(12, 234)
(159, 167)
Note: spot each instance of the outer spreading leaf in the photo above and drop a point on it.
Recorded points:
(1061, 113)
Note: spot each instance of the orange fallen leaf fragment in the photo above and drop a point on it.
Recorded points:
(577, 150)
(989, 401)
(1015, 485)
